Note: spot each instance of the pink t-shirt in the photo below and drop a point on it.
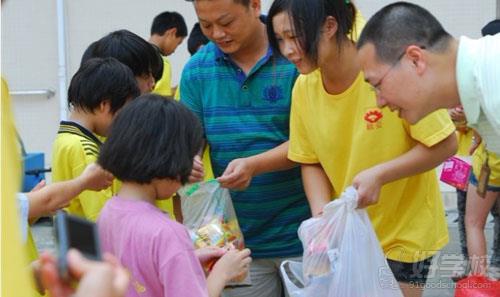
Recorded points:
(155, 250)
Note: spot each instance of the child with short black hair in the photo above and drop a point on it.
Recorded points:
(132, 50)
(167, 33)
(97, 91)
(150, 148)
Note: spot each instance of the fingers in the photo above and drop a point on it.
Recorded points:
(121, 281)
(209, 253)
(108, 177)
(111, 259)
(233, 178)
(77, 264)
(197, 173)
(49, 276)
(40, 185)
(245, 253)
(228, 180)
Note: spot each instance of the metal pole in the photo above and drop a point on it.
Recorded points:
(61, 70)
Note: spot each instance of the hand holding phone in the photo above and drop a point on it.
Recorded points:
(78, 233)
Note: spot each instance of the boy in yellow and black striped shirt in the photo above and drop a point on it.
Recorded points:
(97, 91)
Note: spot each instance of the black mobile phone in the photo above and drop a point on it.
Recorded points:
(78, 233)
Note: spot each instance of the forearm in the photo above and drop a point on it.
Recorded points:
(317, 187)
(417, 160)
(272, 160)
(215, 285)
(53, 197)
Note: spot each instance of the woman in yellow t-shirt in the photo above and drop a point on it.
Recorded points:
(341, 137)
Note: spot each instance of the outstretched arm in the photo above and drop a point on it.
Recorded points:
(239, 172)
(417, 160)
(49, 198)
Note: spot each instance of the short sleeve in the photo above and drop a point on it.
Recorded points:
(433, 129)
(300, 149)
(190, 94)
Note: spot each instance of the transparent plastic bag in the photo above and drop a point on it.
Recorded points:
(209, 216)
(342, 255)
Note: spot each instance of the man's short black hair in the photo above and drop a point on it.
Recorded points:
(399, 25)
(308, 17)
(196, 39)
(168, 20)
(153, 137)
(130, 49)
(100, 79)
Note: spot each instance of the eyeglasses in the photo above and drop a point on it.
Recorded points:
(376, 87)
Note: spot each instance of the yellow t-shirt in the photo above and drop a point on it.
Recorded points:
(164, 85)
(478, 159)
(348, 133)
(464, 142)
(74, 148)
(15, 274)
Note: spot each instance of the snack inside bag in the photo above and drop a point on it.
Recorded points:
(209, 215)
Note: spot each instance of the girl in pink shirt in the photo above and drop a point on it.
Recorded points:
(150, 148)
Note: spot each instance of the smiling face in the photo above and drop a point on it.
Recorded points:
(400, 86)
(228, 24)
(289, 44)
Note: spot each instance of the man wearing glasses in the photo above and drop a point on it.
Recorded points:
(416, 67)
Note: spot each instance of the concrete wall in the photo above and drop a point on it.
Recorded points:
(29, 53)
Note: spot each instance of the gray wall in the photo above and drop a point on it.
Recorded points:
(29, 44)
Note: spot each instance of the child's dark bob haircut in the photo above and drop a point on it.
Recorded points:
(130, 49)
(153, 137)
(98, 80)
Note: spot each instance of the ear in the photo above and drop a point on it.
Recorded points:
(171, 32)
(105, 106)
(418, 58)
(255, 6)
(330, 26)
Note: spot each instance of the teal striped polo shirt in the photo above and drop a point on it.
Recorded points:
(244, 115)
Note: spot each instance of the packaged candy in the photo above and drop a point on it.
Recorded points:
(456, 172)
(209, 215)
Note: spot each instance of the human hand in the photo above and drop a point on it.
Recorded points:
(457, 114)
(208, 254)
(476, 141)
(232, 264)
(368, 184)
(238, 174)
(96, 279)
(39, 186)
(95, 178)
(197, 173)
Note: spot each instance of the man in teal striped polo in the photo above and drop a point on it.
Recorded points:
(241, 91)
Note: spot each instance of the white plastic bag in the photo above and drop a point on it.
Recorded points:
(342, 255)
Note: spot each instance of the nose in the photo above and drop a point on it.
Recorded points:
(218, 33)
(288, 50)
